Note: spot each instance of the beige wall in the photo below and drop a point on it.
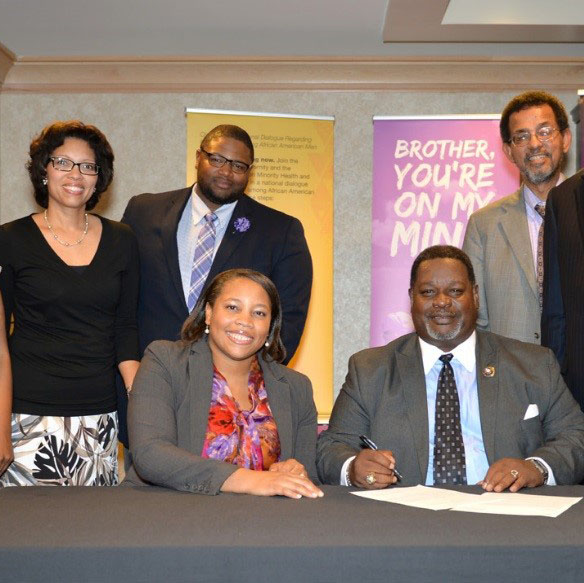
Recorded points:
(147, 132)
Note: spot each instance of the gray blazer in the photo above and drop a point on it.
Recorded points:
(497, 242)
(384, 396)
(169, 409)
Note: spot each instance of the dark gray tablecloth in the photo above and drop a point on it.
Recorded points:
(151, 534)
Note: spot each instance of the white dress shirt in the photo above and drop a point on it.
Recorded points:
(187, 233)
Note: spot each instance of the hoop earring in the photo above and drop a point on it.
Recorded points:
(206, 328)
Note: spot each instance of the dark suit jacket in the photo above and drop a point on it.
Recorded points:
(169, 410)
(384, 396)
(274, 245)
(562, 322)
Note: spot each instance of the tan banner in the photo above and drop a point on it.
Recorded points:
(293, 173)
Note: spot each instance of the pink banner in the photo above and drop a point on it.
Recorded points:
(429, 176)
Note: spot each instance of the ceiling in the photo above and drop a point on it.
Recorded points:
(33, 29)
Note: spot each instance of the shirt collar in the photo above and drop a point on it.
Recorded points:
(464, 353)
(199, 209)
(531, 199)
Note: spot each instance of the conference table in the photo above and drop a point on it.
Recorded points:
(152, 534)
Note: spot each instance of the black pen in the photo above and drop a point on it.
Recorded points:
(368, 443)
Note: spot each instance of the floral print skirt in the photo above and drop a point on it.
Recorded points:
(63, 451)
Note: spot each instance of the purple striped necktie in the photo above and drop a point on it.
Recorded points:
(202, 259)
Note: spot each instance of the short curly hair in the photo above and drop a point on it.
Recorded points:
(53, 136)
(442, 252)
(532, 99)
(194, 326)
(229, 131)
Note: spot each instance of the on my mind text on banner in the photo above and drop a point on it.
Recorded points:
(429, 176)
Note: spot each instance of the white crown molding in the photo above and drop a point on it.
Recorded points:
(176, 74)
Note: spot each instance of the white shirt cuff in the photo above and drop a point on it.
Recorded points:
(344, 470)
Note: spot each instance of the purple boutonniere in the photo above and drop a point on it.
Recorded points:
(241, 224)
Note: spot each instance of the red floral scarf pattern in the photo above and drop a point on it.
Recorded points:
(246, 438)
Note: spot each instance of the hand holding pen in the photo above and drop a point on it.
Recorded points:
(369, 444)
(373, 468)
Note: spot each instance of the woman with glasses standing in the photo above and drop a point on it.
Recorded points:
(70, 281)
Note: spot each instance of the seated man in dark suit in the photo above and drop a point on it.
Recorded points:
(452, 405)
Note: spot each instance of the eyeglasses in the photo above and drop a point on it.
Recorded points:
(218, 161)
(66, 165)
(544, 134)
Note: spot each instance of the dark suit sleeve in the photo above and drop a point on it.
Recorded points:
(128, 212)
(154, 433)
(553, 325)
(306, 429)
(563, 430)
(292, 274)
(349, 419)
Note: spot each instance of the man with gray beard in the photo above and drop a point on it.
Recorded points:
(504, 240)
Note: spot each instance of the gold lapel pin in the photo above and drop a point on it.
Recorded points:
(489, 371)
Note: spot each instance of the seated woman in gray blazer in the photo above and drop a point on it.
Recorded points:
(215, 411)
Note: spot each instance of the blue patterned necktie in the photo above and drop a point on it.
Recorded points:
(449, 459)
(202, 259)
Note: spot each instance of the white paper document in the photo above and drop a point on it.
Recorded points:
(420, 497)
(487, 503)
(519, 504)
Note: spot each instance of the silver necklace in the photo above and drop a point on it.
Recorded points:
(64, 243)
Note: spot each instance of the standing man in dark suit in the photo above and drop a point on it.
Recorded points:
(562, 322)
(170, 225)
(452, 405)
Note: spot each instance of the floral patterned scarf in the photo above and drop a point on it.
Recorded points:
(246, 438)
